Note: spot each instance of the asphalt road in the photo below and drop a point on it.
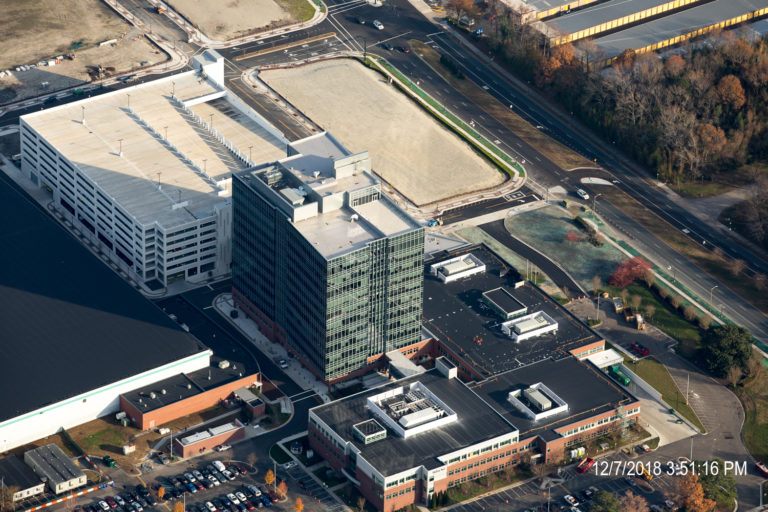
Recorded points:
(563, 281)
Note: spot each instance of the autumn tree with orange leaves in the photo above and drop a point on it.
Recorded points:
(690, 494)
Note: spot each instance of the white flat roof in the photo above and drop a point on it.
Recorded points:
(132, 179)
(605, 358)
(334, 233)
(674, 25)
(600, 13)
(384, 216)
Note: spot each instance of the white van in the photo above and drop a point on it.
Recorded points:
(218, 465)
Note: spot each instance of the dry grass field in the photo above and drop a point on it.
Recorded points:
(228, 19)
(420, 158)
(34, 30)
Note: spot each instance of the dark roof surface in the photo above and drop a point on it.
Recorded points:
(15, 472)
(586, 390)
(456, 314)
(184, 385)
(504, 299)
(66, 318)
(476, 422)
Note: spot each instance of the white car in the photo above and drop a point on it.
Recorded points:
(570, 500)
(190, 477)
(210, 506)
(231, 497)
(241, 497)
(290, 464)
(104, 505)
(255, 490)
(283, 364)
(228, 474)
(222, 447)
(582, 193)
(214, 480)
(379, 25)
(197, 474)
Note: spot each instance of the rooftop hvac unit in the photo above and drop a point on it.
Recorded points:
(152, 395)
(189, 386)
(354, 217)
(224, 364)
(162, 391)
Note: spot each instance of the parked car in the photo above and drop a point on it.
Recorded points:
(379, 25)
(190, 477)
(210, 507)
(639, 349)
(570, 500)
(192, 488)
(111, 502)
(283, 363)
(404, 49)
(222, 447)
(231, 497)
(104, 505)
(197, 474)
(234, 470)
(119, 499)
(241, 496)
(255, 490)
(163, 458)
(386, 46)
(136, 506)
(360, 20)
(228, 474)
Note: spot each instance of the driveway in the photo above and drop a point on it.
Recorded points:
(717, 407)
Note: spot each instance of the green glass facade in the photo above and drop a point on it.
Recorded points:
(337, 312)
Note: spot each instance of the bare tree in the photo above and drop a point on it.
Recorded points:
(597, 283)
(637, 300)
(737, 266)
(705, 321)
(360, 503)
(689, 313)
(650, 309)
(650, 278)
(631, 502)
(734, 376)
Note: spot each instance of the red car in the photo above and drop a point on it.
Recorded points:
(584, 465)
(639, 349)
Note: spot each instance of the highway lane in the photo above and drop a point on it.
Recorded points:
(570, 132)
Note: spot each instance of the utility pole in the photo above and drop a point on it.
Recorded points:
(687, 387)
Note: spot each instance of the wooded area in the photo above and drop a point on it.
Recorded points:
(698, 115)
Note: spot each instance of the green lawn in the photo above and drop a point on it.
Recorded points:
(277, 453)
(104, 440)
(666, 319)
(754, 397)
(300, 10)
(655, 374)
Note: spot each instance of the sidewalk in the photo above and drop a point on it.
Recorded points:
(303, 377)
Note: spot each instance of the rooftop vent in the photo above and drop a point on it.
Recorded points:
(315, 173)
(224, 364)
(162, 391)
(355, 217)
(152, 395)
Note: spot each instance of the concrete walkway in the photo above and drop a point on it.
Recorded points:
(224, 304)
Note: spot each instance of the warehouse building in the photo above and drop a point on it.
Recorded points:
(145, 172)
(52, 465)
(608, 16)
(68, 319)
(323, 261)
(14, 473)
(150, 406)
(680, 27)
(404, 442)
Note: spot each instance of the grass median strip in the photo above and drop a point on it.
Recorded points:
(707, 260)
(547, 146)
(490, 150)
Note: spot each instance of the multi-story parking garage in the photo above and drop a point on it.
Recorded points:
(145, 172)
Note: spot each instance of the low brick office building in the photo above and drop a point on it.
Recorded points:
(195, 443)
(185, 393)
(464, 432)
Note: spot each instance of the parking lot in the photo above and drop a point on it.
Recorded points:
(530, 497)
(314, 490)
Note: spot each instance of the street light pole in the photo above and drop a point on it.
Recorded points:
(594, 200)
(710, 293)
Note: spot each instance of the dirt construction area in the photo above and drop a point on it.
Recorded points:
(420, 158)
(227, 19)
(41, 30)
